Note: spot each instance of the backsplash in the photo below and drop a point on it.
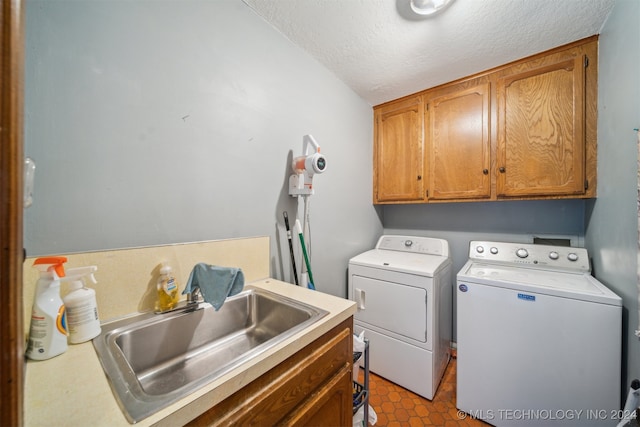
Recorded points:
(127, 277)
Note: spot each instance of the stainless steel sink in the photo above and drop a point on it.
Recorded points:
(152, 360)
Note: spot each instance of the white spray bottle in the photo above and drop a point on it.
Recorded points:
(48, 330)
(80, 302)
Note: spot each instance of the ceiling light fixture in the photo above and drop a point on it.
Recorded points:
(428, 7)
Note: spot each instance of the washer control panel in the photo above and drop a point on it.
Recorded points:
(529, 254)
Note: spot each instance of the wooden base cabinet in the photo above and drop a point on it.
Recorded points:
(312, 387)
(525, 130)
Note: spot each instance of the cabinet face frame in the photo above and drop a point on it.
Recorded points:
(541, 141)
(398, 152)
(460, 150)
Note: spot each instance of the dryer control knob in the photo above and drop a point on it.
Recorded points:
(522, 253)
(572, 256)
(554, 255)
(493, 250)
(479, 249)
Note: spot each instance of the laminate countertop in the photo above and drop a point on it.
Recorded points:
(73, 390)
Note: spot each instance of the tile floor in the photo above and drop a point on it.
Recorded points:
(398, 407)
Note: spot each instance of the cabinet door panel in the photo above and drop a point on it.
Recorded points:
(330, 406)
(398, 152)
(460, 144)
(541, 131)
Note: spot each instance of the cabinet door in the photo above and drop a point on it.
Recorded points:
(398, 151)
(541, 136)
(330, 406)
(459, 144)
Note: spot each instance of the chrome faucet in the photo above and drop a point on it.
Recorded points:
(194, 296)
(191, 303)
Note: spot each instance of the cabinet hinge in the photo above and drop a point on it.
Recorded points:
(586, 61)
(586, 184)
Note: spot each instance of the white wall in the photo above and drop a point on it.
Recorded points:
(612, 224)
(155, 122)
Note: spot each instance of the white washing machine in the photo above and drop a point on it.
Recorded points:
(539, 338)
(403, 292)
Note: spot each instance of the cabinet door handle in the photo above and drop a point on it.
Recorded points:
(485, 171)
(502, 169)
(419, 177)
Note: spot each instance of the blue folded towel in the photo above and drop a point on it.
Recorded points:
(215, 283)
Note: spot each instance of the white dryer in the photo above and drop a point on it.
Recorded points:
(403, 292)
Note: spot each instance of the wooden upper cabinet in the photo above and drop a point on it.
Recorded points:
(398, 151)
(541, 130)
(458, 138)
(524, 130)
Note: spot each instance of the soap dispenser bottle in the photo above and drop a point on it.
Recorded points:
(167, 287)
(80, 302)
(48, 329)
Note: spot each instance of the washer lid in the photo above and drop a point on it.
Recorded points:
(404, 262)
(580, 286)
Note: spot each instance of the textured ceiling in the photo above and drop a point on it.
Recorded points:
(378, 49)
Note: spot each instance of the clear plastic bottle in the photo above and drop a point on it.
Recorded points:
(168, 292)
(48, 329)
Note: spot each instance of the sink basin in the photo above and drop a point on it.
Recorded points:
(153, 360)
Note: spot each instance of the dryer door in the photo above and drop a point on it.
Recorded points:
(393, 307)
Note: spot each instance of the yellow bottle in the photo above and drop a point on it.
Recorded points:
(168, 292)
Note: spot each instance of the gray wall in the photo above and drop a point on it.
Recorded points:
(612, 223)
(163, 122)
(510, 221)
